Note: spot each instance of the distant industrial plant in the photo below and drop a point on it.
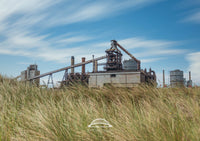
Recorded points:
(126, 74)
(177, 79)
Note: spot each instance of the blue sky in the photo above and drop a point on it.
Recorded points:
(163, 34)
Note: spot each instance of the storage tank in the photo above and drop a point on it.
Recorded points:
(130, 64)
(176, 78)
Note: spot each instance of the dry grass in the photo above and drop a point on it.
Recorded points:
(142, 113)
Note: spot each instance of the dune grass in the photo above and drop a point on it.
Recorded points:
(141, 113)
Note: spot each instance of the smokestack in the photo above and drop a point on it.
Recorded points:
(163, 78)
(93, 63)
(83, 66)
(190, 75)
(95, 66)
(72, 63)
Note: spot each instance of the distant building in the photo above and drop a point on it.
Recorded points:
(31, 72)
(176, 78)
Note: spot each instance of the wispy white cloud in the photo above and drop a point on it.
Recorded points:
(146, 43)
(21, 20)
(40, 47)
(194, 66)
(162, 52)
(93, 10)
(10, 8)
(188, 3)
(48, 13)
(194, 17)
(149, 60)
(191, 11)
(77, 39)
(151, 48)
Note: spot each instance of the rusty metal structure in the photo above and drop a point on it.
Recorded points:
(114, 58)
(126, 74)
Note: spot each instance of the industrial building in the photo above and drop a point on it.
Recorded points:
(31, 72)
(118, 79)
(177, 79)
(126, 74)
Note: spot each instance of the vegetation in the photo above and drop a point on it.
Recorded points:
(141, 113)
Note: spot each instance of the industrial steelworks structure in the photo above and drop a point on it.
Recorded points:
(126, 74)
(177, 79)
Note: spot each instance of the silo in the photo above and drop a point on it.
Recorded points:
(130, 64)
(176, 78)
(33, 71)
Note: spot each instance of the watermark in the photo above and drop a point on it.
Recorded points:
(99, 123)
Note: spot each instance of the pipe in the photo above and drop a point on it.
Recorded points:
(93, 62)
(138, 61)
(83, 66)
(69, 67)
(72, 63)
(163, 78)
(190, 75)
(95, 66)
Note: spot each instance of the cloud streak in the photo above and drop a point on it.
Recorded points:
(42, 48)
(21, 20)
(151, 48)
(49, 13)
(192, 12)
(195, 18)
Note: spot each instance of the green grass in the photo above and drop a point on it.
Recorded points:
(141, 113)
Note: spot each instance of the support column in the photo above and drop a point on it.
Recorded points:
(72, 63)
(163, 78)
(83, 66)
(95, 66)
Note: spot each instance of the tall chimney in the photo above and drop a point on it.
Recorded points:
(72, 63)
(190, 75)
(83, 66)
(95, 66)
(163, 78)
(93, 63)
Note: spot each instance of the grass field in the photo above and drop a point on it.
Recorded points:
(143, 113)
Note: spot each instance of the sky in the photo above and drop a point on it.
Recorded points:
(163, 34)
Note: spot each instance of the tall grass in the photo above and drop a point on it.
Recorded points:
(141, 113)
